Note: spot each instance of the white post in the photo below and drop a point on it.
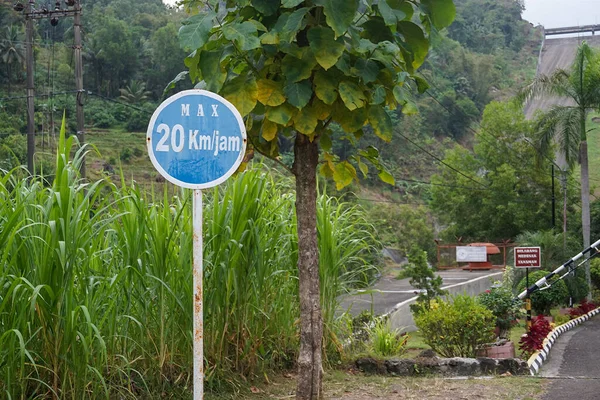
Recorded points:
(198, 317)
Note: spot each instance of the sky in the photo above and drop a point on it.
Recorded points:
(561, 13)
(553, 13)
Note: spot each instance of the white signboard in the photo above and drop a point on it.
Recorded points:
(471, 253)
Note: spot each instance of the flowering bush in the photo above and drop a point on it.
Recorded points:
(501, 302)
(456, 328)
(534, 339)
(583, 308)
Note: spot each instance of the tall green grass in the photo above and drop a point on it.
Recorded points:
(96, 282)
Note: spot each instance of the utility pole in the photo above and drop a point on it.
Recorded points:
(30, 87)
(32, 13)
(79, 80)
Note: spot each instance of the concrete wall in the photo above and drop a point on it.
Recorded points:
(401, 317)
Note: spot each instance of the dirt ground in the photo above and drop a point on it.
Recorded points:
(350, 385)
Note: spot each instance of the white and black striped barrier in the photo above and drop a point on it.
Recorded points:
(568, 267)
(537, 359)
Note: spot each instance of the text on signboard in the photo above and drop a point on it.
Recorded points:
(195, 141)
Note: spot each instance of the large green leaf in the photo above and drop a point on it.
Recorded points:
(387, 177)
(352, 95)
(171, 85)
(293, 25)
(391, 15)
(418, 45)
(266, 7)
(442, 12)
(339, 14)
(195, 30)
(296, 69)
(350, 121)
(402, 7)
(192, 62)
(269, 130)
(364, 168)
(244, 35)
(378, 95)
(325, 141)
(344, 174)
(270, 93)
(298, 93)
(290, 3)
(422, 84)
(376, 31)
(381, 122)
(364, 46)
(306, 121)
(367, 70)
(242, 92)
(326, 48)
(213, 74)
(281, 114)
(272, 37)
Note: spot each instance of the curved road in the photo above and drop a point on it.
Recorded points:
(382, 297)
(573, 365)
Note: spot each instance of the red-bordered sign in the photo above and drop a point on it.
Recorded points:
(528, 257)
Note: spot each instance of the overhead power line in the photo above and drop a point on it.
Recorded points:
(442, 161)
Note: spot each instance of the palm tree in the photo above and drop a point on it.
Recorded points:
(566, 124)
(134, 93)
(11, 49)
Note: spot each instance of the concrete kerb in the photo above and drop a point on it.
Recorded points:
(537, 359)
(401, 318)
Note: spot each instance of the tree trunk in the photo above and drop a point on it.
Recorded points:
(585, 208)
(310, 371)
(563, 183)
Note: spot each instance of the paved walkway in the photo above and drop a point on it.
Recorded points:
(389, 291)
(573, 364)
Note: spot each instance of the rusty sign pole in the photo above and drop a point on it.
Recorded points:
(196, 139)
(198, 314)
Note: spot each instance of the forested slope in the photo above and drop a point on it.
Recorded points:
(131, 53)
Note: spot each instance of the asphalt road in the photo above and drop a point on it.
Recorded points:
(389, 291)
(573, 364)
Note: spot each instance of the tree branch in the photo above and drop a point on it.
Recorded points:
(288, 169)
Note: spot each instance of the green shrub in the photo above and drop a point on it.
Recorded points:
(137, 152)
(501, 302)
(10, 124)
(560, 319)
(387, 342)
(125, 155)
(13, 151)
(103, 119)
(138, 121)
(456, 328)
(543, 300)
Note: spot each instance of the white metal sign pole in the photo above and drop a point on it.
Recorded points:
(198, 317)
(199, 161)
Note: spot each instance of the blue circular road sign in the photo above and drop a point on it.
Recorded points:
(196, 139)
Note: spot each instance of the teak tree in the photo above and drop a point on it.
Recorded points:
(292, 68)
